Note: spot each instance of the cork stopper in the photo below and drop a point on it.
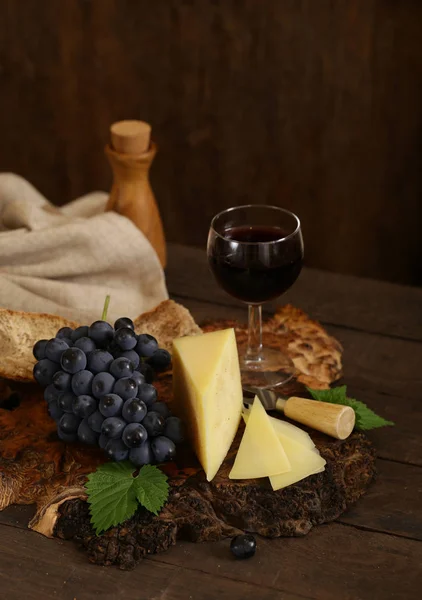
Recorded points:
(130, 137)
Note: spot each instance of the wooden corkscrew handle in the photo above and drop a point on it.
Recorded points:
(333, 419)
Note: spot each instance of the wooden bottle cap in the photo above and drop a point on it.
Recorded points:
(130, 137)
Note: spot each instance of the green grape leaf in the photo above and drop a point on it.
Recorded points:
(114, 494)
(151, 488)
(111, 495)
(365, 417)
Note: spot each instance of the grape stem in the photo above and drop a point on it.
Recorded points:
(105, 309)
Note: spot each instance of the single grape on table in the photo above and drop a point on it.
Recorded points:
(98, 388)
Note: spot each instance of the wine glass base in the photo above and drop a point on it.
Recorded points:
(273, 368)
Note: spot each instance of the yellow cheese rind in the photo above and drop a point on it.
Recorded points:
(260, 452)
(285, 428)
(304, 462)
(207, 394)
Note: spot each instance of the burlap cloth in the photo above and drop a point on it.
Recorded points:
(65, 261)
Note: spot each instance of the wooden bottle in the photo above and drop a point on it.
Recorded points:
(130, 154)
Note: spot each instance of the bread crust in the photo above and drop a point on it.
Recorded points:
(20, 330)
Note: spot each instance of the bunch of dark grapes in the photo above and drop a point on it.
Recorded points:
(98, 388)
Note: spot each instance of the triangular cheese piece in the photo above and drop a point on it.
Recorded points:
(260, 452)
(285, 428)
(207, 394)
(304, 462)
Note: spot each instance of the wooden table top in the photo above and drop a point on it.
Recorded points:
(372, 552)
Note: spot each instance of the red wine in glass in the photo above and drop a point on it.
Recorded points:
(256, 253)
(254, 273)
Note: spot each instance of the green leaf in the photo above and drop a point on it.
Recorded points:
(151, 488)
(111, 495)
(114, 493)
(365, 417)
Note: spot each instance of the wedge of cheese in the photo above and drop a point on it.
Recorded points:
(207, 394)
(304, 462)
(260, 452)
(283, 427)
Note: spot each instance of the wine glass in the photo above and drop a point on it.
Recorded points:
(255, 253)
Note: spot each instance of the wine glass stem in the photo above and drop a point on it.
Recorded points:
(254, 351)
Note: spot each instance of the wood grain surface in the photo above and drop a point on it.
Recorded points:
(314, 105)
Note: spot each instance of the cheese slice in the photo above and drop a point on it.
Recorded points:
(285, 428)
(304, 462)
(260, 452)
(207, 393)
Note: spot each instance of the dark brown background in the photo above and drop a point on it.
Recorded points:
(311, 104)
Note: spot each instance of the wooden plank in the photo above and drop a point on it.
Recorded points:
(371, 361)
(36, 568)
(309, 567)
(17, 515)
(393, 504)
(344, 300)
(331, 563)
(403, 442)
(382, 364)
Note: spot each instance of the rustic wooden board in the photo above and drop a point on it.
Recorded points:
(38, 467)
